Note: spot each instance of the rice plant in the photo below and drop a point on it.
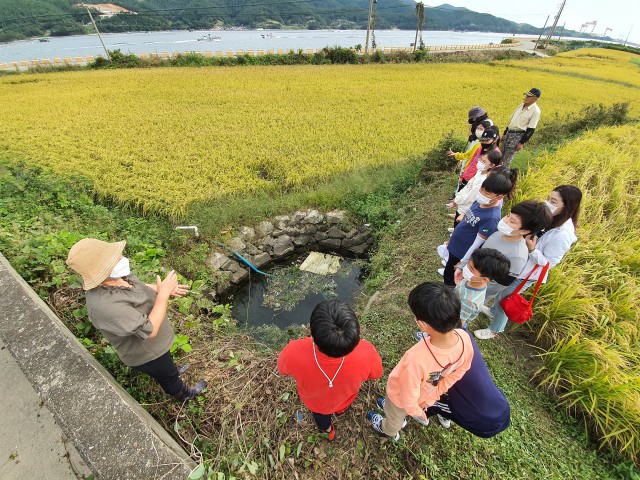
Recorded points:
(588, 316)
(165, 139)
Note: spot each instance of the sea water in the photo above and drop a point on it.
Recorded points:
(186, 41)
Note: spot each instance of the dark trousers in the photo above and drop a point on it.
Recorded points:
(455, 219)
(322, 421)
(441, 407)
(164, 370)
(449, 270)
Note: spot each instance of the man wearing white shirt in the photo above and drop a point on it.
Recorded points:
(523, 123)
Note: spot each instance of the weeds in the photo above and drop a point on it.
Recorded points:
(593, 116)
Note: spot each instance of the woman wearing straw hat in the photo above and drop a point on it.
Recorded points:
(130, 314)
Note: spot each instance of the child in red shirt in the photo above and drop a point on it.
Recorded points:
(330, 366)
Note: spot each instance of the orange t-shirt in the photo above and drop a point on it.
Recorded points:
(408, 386)
(296, 359)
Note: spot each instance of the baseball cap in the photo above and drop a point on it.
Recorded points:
(534, 92)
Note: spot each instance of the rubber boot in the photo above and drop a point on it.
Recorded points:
(190, 393)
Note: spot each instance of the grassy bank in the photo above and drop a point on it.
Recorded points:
(529, 448)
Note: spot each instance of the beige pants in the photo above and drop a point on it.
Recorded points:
(394, 417)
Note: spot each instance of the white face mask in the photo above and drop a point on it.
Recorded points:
(481, 166)
(552, 207)
(467, 274)
(483, 200)
(503, 227)
(121, 269)
(479, 132)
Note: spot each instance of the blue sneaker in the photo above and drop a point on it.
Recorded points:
(376, 423)
(380, 402)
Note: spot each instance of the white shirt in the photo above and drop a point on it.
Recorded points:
(525, 117)
(467, 194)
(551, 248)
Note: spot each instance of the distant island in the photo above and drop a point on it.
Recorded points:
(20, 19)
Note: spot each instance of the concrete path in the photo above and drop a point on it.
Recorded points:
(525, 45)
(114, 435)
(32, 445)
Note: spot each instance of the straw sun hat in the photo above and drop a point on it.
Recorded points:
(94, 260)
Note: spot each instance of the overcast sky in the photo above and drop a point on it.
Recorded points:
(619, 15)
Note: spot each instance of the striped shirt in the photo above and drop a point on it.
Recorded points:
(471, 300)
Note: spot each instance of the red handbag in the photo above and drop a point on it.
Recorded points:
(515, 306)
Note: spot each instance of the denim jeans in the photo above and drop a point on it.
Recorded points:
(499, 317)
(493, 289)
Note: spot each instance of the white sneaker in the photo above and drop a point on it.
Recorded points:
(445, 422)
(484, 334)
(441, 271)
(450, 229)
(486, 311)
(443, 252)
(424, 423)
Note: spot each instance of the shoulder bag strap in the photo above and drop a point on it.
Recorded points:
(526, 279)
(545, 269)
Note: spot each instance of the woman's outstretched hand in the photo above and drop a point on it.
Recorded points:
(180, 291)
(168, 286)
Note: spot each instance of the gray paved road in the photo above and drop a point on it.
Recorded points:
(32, 445)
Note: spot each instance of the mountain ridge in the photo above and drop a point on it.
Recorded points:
(21, 19)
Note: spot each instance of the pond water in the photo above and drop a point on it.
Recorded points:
(288, 296)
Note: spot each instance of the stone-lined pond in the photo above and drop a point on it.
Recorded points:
(288, 295)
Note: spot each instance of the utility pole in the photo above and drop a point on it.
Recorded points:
(420, 14)
(625, 40)
(99, 36)
(555, 22)
(541, 32)
(366, 44)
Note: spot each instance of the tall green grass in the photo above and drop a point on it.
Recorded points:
(588, 315)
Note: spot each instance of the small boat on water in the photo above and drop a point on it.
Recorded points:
(267, 35)
(43, 40)
(210, 38)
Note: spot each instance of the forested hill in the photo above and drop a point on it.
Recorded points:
(34, 18)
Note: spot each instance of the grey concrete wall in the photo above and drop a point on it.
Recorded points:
(114, 435)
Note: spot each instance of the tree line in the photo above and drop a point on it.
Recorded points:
(21, 19)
